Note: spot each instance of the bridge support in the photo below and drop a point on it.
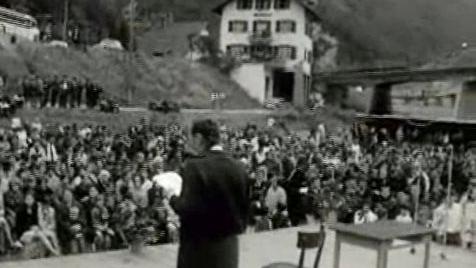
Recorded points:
(381, 102)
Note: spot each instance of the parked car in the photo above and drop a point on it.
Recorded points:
(164, 107)
(57, 43)
(109, 106)
(110, 44)
(273, 104)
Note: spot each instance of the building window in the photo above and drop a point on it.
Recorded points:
(263, 4)
(308, 56)
(286, 52)
(238, 26)
(262, 52)
(262, 27)
(282, 4)
(285, 26)
(237, 51)
(310, 30)
(244, 4)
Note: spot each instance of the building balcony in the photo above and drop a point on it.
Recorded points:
(260, 38)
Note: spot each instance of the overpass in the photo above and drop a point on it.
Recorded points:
(381, 81)
(395, 75)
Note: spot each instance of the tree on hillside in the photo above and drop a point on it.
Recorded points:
(121, 32)
(5, 3)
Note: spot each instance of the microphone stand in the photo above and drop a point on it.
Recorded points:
(416, 207)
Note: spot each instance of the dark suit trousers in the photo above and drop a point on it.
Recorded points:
(223, 253)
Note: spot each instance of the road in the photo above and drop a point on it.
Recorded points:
(205, 111)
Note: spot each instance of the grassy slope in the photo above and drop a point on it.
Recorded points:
(172, 38)
(152, 79)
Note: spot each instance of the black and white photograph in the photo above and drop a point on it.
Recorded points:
(237, 133)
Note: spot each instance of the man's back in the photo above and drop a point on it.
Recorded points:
(214, 200)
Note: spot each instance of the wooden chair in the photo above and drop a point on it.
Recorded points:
(306, 240)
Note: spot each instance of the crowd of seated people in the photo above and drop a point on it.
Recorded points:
(361, 175)
(84, 188)
(80, 189)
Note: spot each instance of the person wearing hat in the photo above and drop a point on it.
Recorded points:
(213, 204)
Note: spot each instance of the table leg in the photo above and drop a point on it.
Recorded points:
(382, 258)
(426, 263)
(337, 247)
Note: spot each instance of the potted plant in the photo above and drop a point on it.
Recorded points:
(138, 236)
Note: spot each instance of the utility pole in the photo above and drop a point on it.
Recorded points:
(65, 20)
(132, 6)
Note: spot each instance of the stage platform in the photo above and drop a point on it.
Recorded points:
(258, 250)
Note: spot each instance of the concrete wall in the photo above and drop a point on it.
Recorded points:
(439, 101)
(466, 103)
(32, 34)
(299, 39)
(252, 77)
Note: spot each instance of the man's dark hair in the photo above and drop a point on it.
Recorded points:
(209, 130)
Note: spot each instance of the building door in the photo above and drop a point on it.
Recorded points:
(267, 88)
(283, 85)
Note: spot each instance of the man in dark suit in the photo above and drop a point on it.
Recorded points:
(213, 205)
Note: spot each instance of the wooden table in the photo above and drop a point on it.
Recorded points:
(381, 236)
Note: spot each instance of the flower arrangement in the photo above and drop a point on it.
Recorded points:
(138, 234)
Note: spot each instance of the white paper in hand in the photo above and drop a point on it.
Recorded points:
(170, 181)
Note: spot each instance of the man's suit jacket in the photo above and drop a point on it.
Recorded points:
(214, 202)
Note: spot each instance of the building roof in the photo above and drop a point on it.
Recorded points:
(15, 13)
(307, 4)
(421, 120)
(396, 75)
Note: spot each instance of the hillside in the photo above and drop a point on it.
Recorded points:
(173, 38)
(372, 32)
(150, 78)
(416, 31)
(375, 32)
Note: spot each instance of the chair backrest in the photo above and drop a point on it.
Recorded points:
(311, 240)
(308, 240)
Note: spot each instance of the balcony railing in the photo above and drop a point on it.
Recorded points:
(260, 38)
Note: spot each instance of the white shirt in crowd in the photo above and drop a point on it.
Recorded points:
(448, 219)
(360, 217)
(404, 218)
(3, 190)
(51, 153)
(22, 138)
(274, 197)
(357, 152)
(455, 218)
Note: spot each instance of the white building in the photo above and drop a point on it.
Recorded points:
(18, 24)
(272, 41)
